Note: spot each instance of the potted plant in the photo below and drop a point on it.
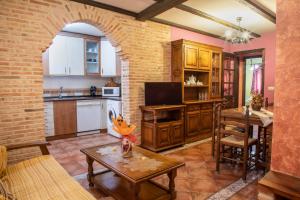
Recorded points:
(257, 101)
(126, 130)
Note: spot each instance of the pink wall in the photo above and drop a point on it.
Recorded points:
(177, 34)
(286, 137)
(266, 41)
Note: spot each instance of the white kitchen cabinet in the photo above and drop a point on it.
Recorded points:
(58, 60)
(103, 121)
(49, 119)
(75, 55)
(109, 61)
(66, 56)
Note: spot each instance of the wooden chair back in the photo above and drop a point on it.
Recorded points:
(239, 128)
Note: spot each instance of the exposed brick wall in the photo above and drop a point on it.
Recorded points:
(28, 27)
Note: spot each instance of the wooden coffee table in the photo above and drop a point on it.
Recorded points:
(129, 178)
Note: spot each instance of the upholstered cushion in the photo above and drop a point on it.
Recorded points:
(234, 140)
(3, 160)
(42, 178)
(4, 192)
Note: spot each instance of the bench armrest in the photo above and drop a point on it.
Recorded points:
(41, 145)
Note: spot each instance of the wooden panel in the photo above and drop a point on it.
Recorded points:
(206, 121)
(148, 135)
(204, 59)
(163, 135)
(191, 57)
(177, 63)
(193, 107)
(65, 117)
(193, 123)
(177, 133)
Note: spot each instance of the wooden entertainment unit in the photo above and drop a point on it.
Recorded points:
(162, 126)
(190, 60)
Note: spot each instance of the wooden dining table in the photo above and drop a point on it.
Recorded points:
(264, 132)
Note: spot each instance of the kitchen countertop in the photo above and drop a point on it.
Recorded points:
(69, 98)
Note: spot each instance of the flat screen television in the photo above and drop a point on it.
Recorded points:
(163, 93)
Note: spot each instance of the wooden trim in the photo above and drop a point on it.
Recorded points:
(107, 7)
(162, 21)
(157, 8)
(248, 51)
(261, 10)
(41, 145)
(212, 18)
(58, 137)
(79, 35)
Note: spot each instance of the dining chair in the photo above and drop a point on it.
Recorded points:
(234, 135)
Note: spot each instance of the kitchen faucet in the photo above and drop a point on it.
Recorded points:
(60, 92)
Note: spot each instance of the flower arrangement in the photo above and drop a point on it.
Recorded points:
(257, 101)
(126, 130)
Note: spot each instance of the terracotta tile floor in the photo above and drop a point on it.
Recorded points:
(197, 180)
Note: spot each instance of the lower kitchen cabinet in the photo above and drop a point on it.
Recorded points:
(198, 122)
(65, 117)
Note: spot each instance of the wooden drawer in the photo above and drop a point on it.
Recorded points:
(206, 106)
(193, 107)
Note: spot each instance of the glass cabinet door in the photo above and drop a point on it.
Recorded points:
(92, 57)
(216, 75)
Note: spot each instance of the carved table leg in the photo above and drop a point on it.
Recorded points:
(90, 174)
(136, 190)
(172, 174)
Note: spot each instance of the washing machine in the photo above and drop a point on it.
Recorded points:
(114, 108)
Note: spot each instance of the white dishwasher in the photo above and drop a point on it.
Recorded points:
(88, 115)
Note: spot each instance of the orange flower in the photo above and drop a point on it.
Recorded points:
(121, 127)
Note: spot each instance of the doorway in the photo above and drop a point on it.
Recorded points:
(253, 78)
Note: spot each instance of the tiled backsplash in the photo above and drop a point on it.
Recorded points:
(73, 86)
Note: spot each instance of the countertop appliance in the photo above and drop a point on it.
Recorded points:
(93, 91)
(114, 108)
(111, 91)
(88, 115)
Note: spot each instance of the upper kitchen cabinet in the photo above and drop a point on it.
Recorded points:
(92, 56)
(110, 62)
(66, 56)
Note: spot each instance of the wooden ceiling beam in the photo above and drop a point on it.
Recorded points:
(107, 7)
(162, 21)
(157, 8)
(261, 10)
(212, 18)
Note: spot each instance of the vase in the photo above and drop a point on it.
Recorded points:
(256, 107)
(126, 147)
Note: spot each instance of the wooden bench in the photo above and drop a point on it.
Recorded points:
(275, 185)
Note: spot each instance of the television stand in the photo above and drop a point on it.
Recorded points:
(162, 126)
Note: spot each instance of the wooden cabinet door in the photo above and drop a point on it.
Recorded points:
(75, 55)
(163, 135)
(191, 57)
(206, 121)
(65, 117)
(177, 133)
(58, 60)
(193, 123)
(204, 59)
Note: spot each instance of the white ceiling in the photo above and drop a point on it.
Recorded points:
(227, 10)
(83, 28)
(131, 5)
(270, 4)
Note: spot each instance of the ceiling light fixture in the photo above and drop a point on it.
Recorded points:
(241, 36)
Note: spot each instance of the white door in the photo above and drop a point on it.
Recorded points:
(75, 54)
(108, 58)
(58, 60)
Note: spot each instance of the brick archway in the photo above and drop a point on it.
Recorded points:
(108, 23)
(28, 27)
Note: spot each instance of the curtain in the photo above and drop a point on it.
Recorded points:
(256, 79)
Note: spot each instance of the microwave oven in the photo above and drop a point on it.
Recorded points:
(111, 91)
